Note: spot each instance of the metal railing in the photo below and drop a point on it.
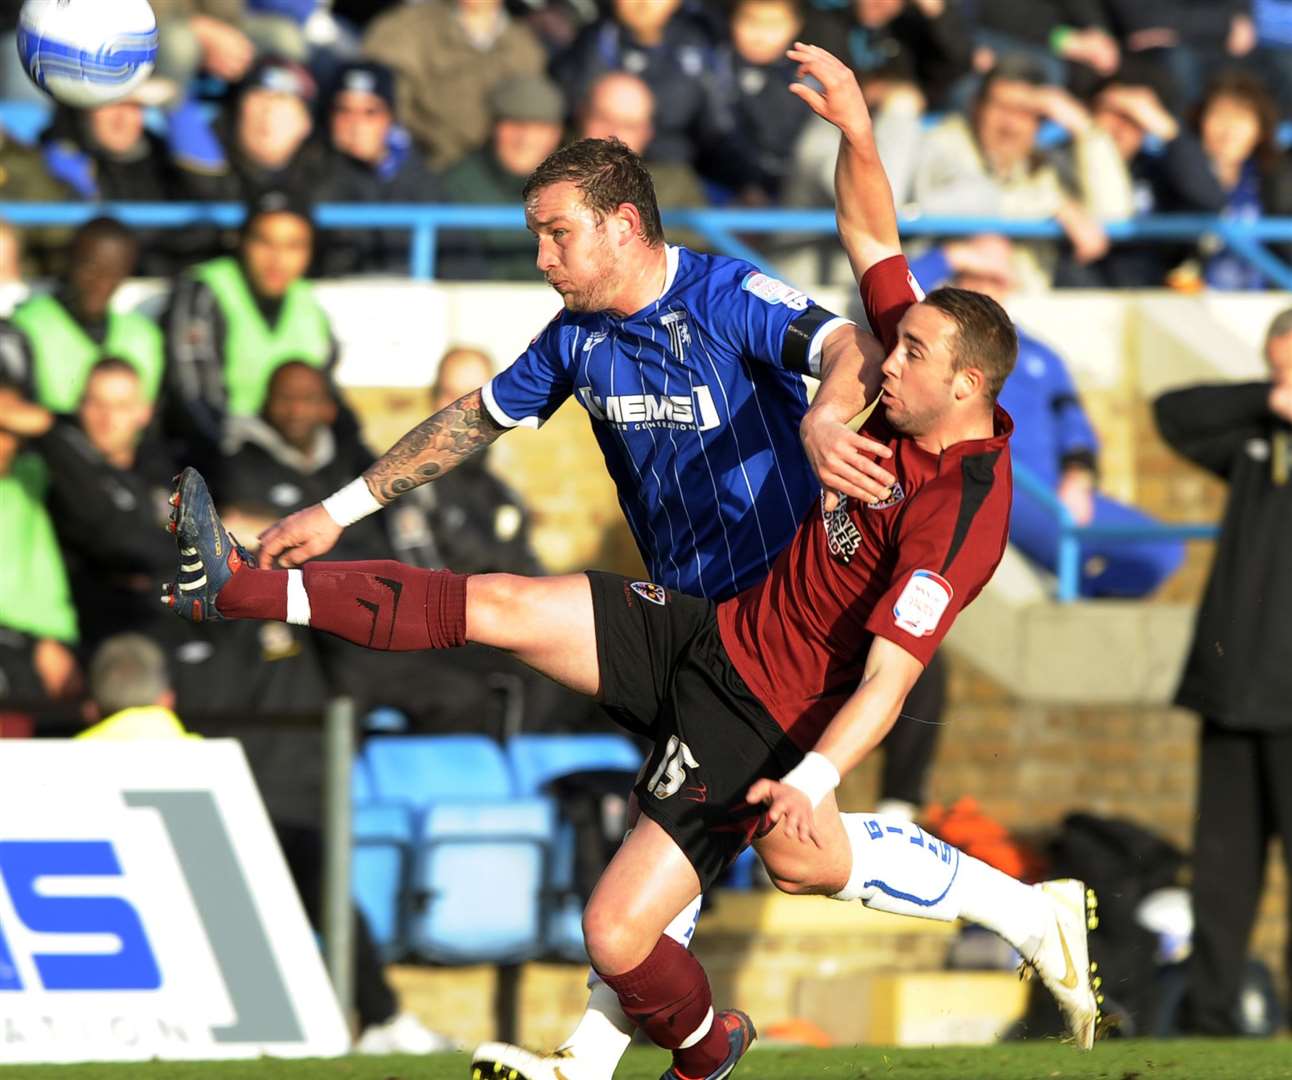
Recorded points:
(1072, 535)
(722, 229)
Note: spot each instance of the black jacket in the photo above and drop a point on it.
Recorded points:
(1239, 671)
(262, 474)
(111, 527)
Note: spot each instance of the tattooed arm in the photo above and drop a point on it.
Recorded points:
(430, 450)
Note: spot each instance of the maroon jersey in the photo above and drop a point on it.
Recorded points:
(901, 569)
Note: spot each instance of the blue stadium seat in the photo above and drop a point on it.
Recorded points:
(383, 837)
(25, 120)
(537, 760)
(418, 770)
(478, 882)
(361, 789)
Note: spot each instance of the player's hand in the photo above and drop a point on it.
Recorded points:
(839, 99)
(304, 535)
(786, 806)
(57, 669)
(844, 461)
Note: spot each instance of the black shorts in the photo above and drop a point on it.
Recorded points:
(666, 675)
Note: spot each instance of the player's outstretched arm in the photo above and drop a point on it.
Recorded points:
(855, 731)
(432, 448)
(863, 198)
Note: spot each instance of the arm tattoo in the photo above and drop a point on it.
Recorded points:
(434, 447)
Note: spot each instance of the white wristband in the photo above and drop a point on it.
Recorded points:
(815, 776)
(352, 503)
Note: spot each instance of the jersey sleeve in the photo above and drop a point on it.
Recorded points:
(945, 555)
(887, 289)
(771, 321)
(535, 386)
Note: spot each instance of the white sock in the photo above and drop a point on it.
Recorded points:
(899, 868)
(604, 1031)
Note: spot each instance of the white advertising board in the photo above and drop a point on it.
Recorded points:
(146, 910)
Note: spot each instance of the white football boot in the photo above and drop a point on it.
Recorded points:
(1063, 959)
(504, 1061)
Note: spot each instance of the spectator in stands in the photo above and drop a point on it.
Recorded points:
(230, 322)
(1168, 172)
(131, 696)
(109, 154)
(219, 37)
(1072, 41)
(373, 161)
(1238, 675)
(261, 140)
(1055, 441)
(24, 177)
(108, 487)
(991, 165)
(621, 106)
(755, 75)
(289, 456)
(447, 57)
(924, 44)
(673, 48)
(1189, 41)
(1237, 122)
(54, 339)
(529, 114)
(37, 620)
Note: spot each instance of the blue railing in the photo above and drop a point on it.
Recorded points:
(1071, 534)
(718, 227)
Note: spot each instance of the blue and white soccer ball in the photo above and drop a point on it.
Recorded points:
(87, 53)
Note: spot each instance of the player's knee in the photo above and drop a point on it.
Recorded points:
(492, 601)
(612, 943)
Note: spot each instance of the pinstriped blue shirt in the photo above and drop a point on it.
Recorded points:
(695, 402)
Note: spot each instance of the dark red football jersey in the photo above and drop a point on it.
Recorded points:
(902, 569)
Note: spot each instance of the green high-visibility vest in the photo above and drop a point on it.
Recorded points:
(34, 594)
(252, 348)
(63, 353)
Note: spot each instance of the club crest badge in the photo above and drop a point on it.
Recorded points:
(648, 590)
(895, 495)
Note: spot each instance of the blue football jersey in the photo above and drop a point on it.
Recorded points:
(695, 401)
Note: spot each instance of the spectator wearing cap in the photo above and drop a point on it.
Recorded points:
(261, 140)
(447, 56)
(220, 38)
(231, 321)
(51, 341)
(529, 115)
(373, 161)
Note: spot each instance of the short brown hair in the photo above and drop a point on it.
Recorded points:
(1250, 89)
(985, 334)
(609, 175)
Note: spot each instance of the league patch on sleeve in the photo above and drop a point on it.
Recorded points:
(771, 291)
(920, 607)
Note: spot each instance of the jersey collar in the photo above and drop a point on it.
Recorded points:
(670, 269)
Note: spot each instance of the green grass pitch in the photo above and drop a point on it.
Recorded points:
(1114, 1060)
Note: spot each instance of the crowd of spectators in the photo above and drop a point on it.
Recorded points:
(1079, 112)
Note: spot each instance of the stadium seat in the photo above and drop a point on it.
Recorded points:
(537, 760)
(383, 837)
(361, 789)
(418, 770)
(478, 889)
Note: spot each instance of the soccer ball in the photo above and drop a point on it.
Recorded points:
(87, 53)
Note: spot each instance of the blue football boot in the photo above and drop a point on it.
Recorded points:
(208, 555)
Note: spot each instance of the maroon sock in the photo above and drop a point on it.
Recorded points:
(381, 605)
(667, 995)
